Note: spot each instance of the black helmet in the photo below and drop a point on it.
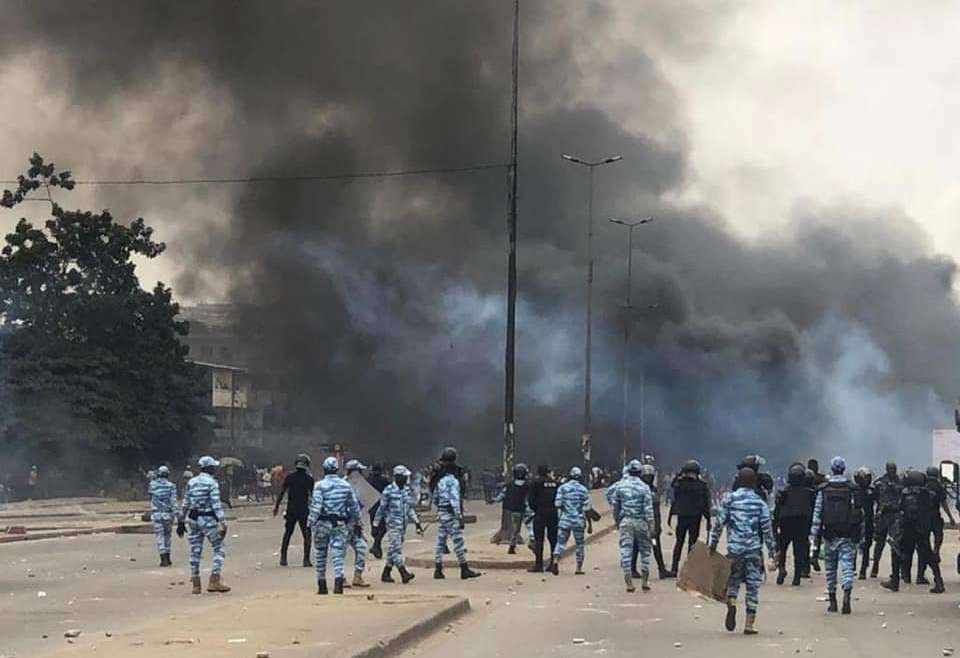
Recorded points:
(796, 474)
(449, 454)
(692, 466)
(520, 472)
(933, 472)
(863, 476)
(914, 478)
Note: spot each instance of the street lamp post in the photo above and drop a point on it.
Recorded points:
(585, 439)
(630, 225)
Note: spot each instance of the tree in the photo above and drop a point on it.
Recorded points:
(91, 364)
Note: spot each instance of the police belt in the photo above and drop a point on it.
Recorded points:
(332, 518)
(195, 514)
(446, 508)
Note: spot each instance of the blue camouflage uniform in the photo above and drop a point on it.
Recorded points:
(334, 509)
(355, 538)
(163, 509)
(573, 501)
(396, 508)
(838, 551)
(446, 497)
(746, 517)
(632, 504)
(202, 500)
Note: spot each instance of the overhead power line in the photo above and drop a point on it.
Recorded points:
(286, 179)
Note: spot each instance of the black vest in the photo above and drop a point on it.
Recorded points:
(796, 501)
(689, 497)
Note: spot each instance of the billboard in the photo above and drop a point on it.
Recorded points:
(946, 446)
(229, 389)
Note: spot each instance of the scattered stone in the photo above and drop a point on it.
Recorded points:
(263, 654)
(73, 632)
(133, 559)
(294, 641)
(809, 649)
(44, 636)
(369, 597)
(947, 651)
(237, 640)
(181, 640)
(579, 640)
(909, 613)
(883, 625)
(487, 602)
(677, 645)
(41, 595)
(449, 628)
(108, 633)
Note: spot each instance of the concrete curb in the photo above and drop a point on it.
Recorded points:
(394, 644)
(10, 539)
(427, 563)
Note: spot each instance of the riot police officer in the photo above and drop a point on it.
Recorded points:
(542, 500)
(792, 518)
(691, 503)
(939, 493)
(866, 500)
(916, 509)
(649, 476)
(886, 490)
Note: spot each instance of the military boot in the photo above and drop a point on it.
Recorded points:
(875, 567)
(579, 571)
(553, 567)
(892, 584)
(165, 560)
(781, 575)
(845, 610)
(629, 582)
(863, 570)
(796, 579)
(937, 579)
(322, 586)
(197, 586)
(216, 584)
(748, 627)
(386, 576)
(358, 580)
(730, 622)
(438, 572)
(832, 607)
(905, 577)
(466, 572)
(338, 585)
(645, 582)
(405, 576)
(512, 550)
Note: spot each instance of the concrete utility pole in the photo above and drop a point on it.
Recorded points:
(585, 439)
(630, 225)
(509, 429)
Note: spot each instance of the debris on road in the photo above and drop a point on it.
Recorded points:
(73, 632)
(676, 645)
(41, 594)
(579, 640)
(263, 654)
(236, 640)
(181, 640)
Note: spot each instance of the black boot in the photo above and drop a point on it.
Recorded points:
(937, 579)
(306, 552)
(466, 572)
(338, 586)
(322, 586)
(375, 550)
(892, 584)
(165, 560)
(405, 575)
(863, 571)
(537, 567)
(306, 561)
(846, 603)
(730, 621)
(832, 596)
(512, 550)
(781, 575)
(438, 572)
(283, 559)
(553, 568)
(796, 579)
(386, 576)
(579, 571)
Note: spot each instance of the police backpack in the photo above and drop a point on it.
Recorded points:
(839, 514)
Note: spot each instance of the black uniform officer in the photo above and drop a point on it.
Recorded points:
(939, 493)
(887, 495)
(865, 500)
(691, 503)
(542, 500)
(515, 503)
(916, 509)
(649, 476)
(298, 487)
(792, 518)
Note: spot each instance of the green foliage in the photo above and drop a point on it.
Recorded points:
(89, 360)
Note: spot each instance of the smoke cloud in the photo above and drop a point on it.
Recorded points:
(377, 305)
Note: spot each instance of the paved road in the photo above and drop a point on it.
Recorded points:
(542, 619)
(92, 582)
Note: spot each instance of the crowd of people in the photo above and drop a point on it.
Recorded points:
(816, 516)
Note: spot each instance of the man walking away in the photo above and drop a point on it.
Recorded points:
(838, 521)
(163, 507)
(297, 487)
(793, 518)
(448, 499)
(632, 504)
(691, 503)
(746, 517)
(916, 510)
(396, 511)
(649, 477)
(940, 498)
(542, 500)
(866, 501)
(202, 507)
(573, 502)
(887, 490)
(333, 511)
(515, 503)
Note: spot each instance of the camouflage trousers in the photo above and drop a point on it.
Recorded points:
(358, 543)
(563, 536)
(840, 552)
(449, 527)
(395, 540)
(205, 528)
(746, 569)
(635, 531)
(162, 532)
(329, 539)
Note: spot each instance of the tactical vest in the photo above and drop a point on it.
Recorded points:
(515, 497)
(915, 504)
(839, 514)
(796, 501)
(888, 493)
(689, 496)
